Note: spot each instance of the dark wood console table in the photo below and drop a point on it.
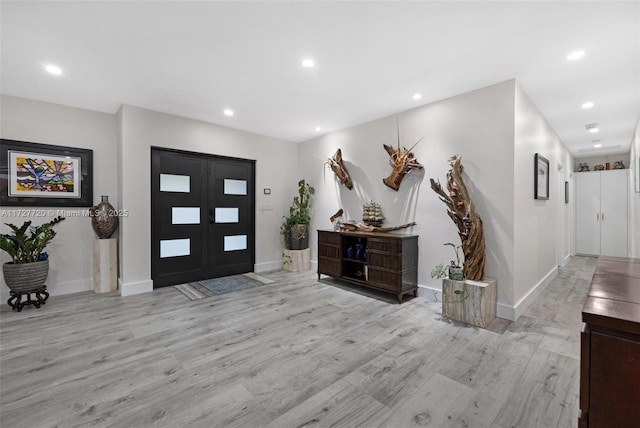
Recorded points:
(610, 346)
(382, 261)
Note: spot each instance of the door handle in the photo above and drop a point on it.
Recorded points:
(597, 216)
(211, 216)
(602, 216)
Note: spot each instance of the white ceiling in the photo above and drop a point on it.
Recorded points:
(194, 59)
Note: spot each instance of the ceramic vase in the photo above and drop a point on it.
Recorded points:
(104, 218)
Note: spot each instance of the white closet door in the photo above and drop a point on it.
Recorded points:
(614, 213)
(588, 213)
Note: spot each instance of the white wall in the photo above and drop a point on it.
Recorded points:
(634, 198)
(536, 225)
(141, 129)
(71, 252)
(478, 125)
(495, 129)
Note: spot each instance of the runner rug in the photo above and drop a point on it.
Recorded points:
(227, 284)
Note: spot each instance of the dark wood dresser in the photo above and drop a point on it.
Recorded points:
(610, 346)
(382, 261)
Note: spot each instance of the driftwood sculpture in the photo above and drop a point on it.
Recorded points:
(340, 170)
(402, 161)
(463, 213)
(365, 228)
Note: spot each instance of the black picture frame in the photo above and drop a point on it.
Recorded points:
(541, 177)
(81, 193)
(566, 192)
(637, 174)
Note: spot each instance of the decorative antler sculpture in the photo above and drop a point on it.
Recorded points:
(402, 161)
(340, 170)
(463, 213)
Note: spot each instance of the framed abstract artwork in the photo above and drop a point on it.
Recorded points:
(43, 175)
(541, 177)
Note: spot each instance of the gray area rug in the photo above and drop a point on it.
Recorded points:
(217, 286)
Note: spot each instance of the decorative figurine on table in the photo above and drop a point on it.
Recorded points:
(336, 220)
(372, 214)
(618, 165)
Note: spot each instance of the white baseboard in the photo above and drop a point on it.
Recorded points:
(267, 266)
(431, 293)
(524, 303)
(135, 287)
(503, 310)
(58, 289)
(566, 259)
(277, 265)
(506, 312)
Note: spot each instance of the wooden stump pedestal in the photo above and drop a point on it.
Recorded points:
(297, 260)
(105, 265)
(475, 304)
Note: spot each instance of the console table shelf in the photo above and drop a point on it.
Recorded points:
(610, 346)
(381, 261)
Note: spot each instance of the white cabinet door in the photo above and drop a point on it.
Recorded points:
(614, 213)
(588, 213)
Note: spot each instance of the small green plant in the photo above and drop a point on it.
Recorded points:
(286, 259)
(26, 243)
(299, 211)
(462, 295)
(453, 270)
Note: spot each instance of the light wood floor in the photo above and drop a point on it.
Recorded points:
(297, 353)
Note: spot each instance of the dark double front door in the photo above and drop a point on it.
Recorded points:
(202, 216)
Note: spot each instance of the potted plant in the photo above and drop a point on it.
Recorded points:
(453, 271)
(295, 226)
(29, 267)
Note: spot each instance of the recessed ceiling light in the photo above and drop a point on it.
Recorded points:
(575, 55)
(308, 62)
(598, 145)
(592, 127)
(53, 69)
(228, 112)
(318, 129)
(417, 96)
(588, 104)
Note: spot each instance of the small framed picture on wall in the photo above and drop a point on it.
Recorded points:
(541, 177)
(637, 174)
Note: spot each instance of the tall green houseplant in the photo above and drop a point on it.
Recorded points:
(295, 226)
(26, 247)
(29, 267)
